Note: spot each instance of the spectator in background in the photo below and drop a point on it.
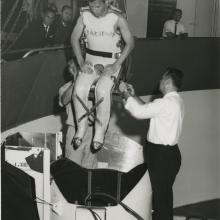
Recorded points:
(173, 28)
(64, 26)
(40, 33)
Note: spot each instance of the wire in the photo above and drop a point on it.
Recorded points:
(43, 201)
(94, 214)
(128, 209)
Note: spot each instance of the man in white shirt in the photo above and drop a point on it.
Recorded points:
(174, 28)
(163, 156)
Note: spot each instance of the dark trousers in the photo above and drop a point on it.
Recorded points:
(163, 165)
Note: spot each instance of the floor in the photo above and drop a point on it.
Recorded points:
(206, 210)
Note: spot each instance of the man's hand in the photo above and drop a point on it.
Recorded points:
(125, 87)
(130, 89)
(127, 90)
(110, 69)
(86, 67)
(170, 35)
(72, 68)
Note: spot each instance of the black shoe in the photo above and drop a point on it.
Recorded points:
(76, 142)
(96, 146)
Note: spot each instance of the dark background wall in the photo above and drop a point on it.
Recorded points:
(196, 57)
(159, 11)
(30, 86)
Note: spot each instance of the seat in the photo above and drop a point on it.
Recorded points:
(122, 76)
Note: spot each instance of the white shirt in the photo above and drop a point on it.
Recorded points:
(169, 26)
(166, 117)
(101, 32)
(69, 110)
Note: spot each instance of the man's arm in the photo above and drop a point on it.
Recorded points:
(128, 39)
(136, 106)
(122, 25)
(167, 30)
(146, 110)
(75, 38)
(65, 94)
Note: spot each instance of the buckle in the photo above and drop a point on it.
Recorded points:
(116, 55)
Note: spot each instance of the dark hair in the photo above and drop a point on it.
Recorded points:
(178, 10)
(49, 10)
(176, 75)
(95, 0)
(66, 7)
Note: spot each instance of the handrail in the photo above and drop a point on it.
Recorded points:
(44, 49)
(33, 50)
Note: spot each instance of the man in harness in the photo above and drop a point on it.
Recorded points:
(103, 27)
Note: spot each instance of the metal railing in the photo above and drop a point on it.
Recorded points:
(29, 51)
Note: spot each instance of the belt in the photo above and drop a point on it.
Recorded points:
(160, 145)
(103, 54)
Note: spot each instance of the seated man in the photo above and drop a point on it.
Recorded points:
(83, 155)
(173, 28)
(103, 28)
(64, 26)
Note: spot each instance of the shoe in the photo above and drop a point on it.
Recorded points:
(96, 146)
(76, 142)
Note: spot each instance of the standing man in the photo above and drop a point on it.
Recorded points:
(174, 28)
(163, 155)
(103, 28)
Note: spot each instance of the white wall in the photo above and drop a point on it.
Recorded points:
(199, 177)
(217, 18)
(137, 11)
(199, 144)
(218, 130)
(188, 19)
(198, 16)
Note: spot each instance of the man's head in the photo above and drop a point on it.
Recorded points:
(171, 80)
(49, 16)
(66, 13)
(177, 15)
(98, 7)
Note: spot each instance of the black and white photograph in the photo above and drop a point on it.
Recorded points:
(110, 110)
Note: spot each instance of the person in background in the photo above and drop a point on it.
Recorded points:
(40, 33)
(163, 156)
(64, 26)
(174, 28)
(83, 155)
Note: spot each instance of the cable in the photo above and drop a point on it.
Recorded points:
(43, 201)
(94, 214)
(128, 209)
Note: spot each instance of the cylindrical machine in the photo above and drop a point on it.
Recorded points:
(120, 189)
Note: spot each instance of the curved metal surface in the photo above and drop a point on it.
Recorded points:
(119, 153)
(33, 50)
(43, 49)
